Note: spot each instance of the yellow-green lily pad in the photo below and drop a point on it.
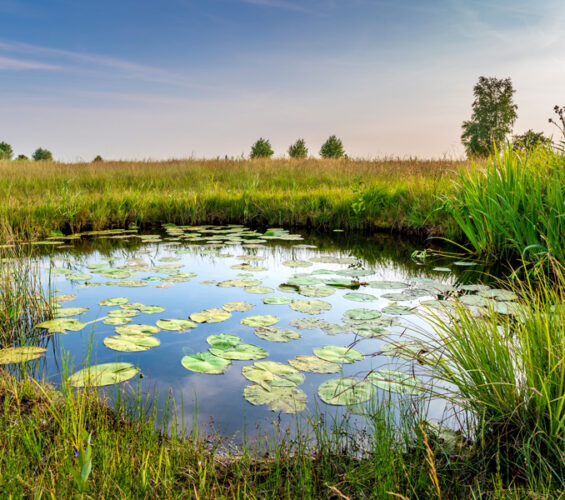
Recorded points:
(131, 343)
(20, 354)
(213, 315)
(204, 362)
(310, 306)
(265, 320)
(103, 374)
(345, 391)
(338, 354)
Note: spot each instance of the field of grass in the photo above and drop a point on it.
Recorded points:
(321, 194)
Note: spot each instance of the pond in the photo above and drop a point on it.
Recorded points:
(328, 310)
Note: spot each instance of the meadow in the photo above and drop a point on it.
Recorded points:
(505, 370)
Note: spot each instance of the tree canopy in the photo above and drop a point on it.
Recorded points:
(261, 149)
(42, 154)
(494, 113)
(298, 149)
(332, 148)
(6, 151)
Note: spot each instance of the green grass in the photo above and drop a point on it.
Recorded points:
(322, 194)
(509, 374)
(514, 207)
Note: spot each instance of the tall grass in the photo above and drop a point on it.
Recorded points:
(514, 207)
(509, 374)
(399, 195)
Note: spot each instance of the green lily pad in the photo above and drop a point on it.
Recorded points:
(387, 285)
(123, 313)
(133, 306)
(473, 300)
(283, 399)
(345, 391)
(151, 309)
(131, 343)
(238, 306)
(325, 260)
(396, 381)
(404, 350)
(499, 294)
(464, 263)
(306, 323)
(266, 320)
(359, 297)
(397, 297)
(103, 374)
(65, 312)
(442, 269)
(271, 374)
(276, 334)
(137, 330)
(310, 306)
(223, 340)
(333, 328)
(296, 263)
(396, 310)
(117, 274)
(342, 283)
(361, 314)
(316, 291)
(204, 362)
(175, 325)
(129, 283)
(249, 267)
(20, 354)
(304, 280)
(314, 364)
(115, 301)
(288, 288)
(213, 315)
(64, 297)
(258, 289)
(116, 321)
(338, 354)
(79, 276)
(240, 352)
(242, 283)
(62, 325)
(277, 300)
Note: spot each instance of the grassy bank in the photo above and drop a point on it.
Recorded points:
(322, 194)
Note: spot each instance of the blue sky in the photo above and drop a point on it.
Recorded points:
(173, 78)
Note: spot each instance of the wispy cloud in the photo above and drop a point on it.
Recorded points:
(8, 63)
(278, 4)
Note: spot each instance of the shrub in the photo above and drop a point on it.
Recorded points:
(41, 154)
(261, 149)
(22, 158)
(6, 151)
(332, 148)
(529, 140)
(298, 149)
(97, 159)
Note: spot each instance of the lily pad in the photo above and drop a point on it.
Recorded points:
(129, 283)
(115, 301)
(271, 374)
(103, 374)
(65, 312)
(223, 340)
(213, 315)
(79, 276)
(238, 283)
(64, 297)
(314, 364)
(176, 325)
(258, 289)
(20, 354)
(499, 294)
(137, 330)
(404, 350)
(361, 314)
(62, 325)
(338, 354)
(204, 362)
(296, 263)
(131, 343)
(284, 399)
(304, 280)
(333, 328)
(316, 291)
(387, 285)
(266, 320)
(277, 300)
(276, 334)
(345, 391)
(116, 321)
(397, 297)
(310, 306)
(240, 352)
(123, 313)
(239, 306)
(396, 381)
(359, 297)
(306, 323)
(396, 310)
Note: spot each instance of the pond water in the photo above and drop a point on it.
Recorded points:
(184, 270)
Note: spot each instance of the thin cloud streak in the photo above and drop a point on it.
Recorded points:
(7, 63)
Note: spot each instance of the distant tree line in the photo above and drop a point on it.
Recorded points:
(40, 154)
(332, 148)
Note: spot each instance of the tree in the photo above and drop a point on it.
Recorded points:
(529, 140)
(332, 148)
(97, 159)
(6, 151)
(261, 149)
(298, 149)
(22, 158)
(494, 113)
(41, 154)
